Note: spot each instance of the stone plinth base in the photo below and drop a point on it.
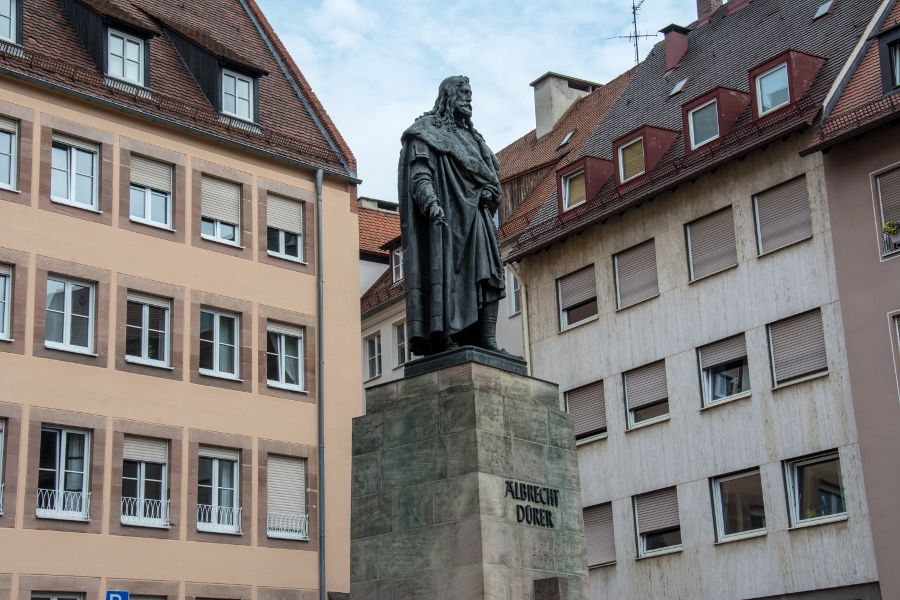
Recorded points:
(465, 487)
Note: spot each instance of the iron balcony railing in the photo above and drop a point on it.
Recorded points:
(145, 513)
(55, 504)
(290, 526)
(218, 519)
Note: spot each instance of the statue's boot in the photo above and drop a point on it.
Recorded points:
(487, 321)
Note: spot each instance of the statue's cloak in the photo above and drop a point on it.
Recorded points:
(450, 268)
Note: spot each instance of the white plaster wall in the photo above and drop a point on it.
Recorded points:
(694, 445)
(369, 271)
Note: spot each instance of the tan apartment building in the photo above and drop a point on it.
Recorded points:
(682, 288)
(175, 211)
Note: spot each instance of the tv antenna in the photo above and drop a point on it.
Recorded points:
(634, 37)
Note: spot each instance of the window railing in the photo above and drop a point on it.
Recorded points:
(891, 243)
(218, 519)
(72, 506)
(145, 513)
(289, 526)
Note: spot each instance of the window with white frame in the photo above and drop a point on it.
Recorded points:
(797, 347)
(396, 265)
(657, 521)
(631, 160)
(237, 95)
(125, 59)
(218, 490)
(888, 186)
(284, 228)
(646, 394)
(9, 20)
(9, 142)
(815, 489)
(772, 90)
(74, 172)
(64, 474)
(2, 461)
(55, 596)
(895, 64)
(724, 372)
(373, 356)
(69, 317)
(219, 343)
(147, 326)
(5, 302)
(515, 294)
(400, 343)
(704, 123)
(286, 516)
(577, 296)
(145, 499)
(284, 356)
(574, 191)
(738, 505)
(220, 210)
(151, 192)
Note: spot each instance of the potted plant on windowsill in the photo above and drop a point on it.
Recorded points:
(891, 232)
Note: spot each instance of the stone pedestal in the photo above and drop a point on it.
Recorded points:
(465, 487)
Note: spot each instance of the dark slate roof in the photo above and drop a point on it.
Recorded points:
(720, 53)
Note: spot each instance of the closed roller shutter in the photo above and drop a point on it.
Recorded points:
(783, 215)
(712, 243)
(8, 125)
(646, 385)
(657, 511)
(599, 535)
(889, 190)
(151, 173)
(577, 288)
(798, 346)
(144, 449)
(723, 351)
(284, 214)
(636, 277)
(220, 200)
(286, 485)
(587, 405)
(67, 140)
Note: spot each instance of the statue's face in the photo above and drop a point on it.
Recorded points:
(463, 106)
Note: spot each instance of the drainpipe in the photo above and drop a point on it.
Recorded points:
(320, 405)
(524, 297)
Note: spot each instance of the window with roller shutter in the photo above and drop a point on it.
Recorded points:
(797, 347)
(599, 535)
(646, 394)
(577, 295)
(286, 496)
(657, 522)
(724, 372)
(888, 188)
(145, 493)
(636, 276)
(782, 215)
(711, 244)
(587, 406)
(284, 227)
(151, 192)
(220, 210)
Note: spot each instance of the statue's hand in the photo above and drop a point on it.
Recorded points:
(435, 213)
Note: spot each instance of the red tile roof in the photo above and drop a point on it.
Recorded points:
(376, 228)
(381, 293)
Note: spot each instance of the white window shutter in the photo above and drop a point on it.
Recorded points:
(76, 142)
(151, 173)
(223, 453)
(284, 214)
(657, 511)
(286, 485)
(8, 124)
(220, 200)
(146, 450)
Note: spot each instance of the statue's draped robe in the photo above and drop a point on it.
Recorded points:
(449, 269)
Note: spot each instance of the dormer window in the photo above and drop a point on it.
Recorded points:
(631, 160)
(125, 57)
(574, 190)
(397, 265)
(895, 64)
(704, 123)
(579, 181)
(772, 91)
(237, 95)
(8, 20)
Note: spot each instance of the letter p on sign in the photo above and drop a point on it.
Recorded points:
(117, 595)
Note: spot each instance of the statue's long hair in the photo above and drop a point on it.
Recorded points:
(443, 113)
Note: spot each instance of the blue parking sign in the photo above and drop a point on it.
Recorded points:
(116, 595)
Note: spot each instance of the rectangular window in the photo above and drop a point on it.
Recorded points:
(5, 302)
(9, 144)
(815, 489)
(797, 347)
(711, 244)
(577, 296)
(151, 192)
(2, 461)
(69, 317)
(646, 394)
(738, 503)
(636, 276)
(219, 343)
(782, 215)
(373, 356)
(147, 330)
(574, 193)
(657, 521)
(284, 357)
(74, 172)
(888, 185)
(587, 405)
(599, 535)
(772, 90)
(63, 474)
(145, 501)
(631, 160)
(126, 57)
(400, 343)
(286, 517)
(895, 64)
(514, 294)
(220, 210)
(284, 231)
(218, 491)
(55, 596)
(8, 20)
(723, 369)
(704, 123)
(397, 265)
(237, 95)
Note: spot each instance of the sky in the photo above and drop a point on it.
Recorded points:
(376, 66)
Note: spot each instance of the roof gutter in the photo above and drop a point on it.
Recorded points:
(320, 401)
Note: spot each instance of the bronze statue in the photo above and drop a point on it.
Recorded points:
(449, 190)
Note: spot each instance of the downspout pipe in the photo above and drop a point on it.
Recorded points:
(320, 404)
(526, 339)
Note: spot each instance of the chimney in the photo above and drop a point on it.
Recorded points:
(705, 8)
(676, 44)
(553, 95)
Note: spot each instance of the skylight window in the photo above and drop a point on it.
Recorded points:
(566, 139)
(823, 9)
(678, 87)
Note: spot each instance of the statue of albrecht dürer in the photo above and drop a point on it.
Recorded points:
(449, 189)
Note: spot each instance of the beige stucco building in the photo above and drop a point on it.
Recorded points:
(164, 356)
